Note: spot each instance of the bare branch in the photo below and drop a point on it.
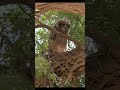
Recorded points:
(24, 10)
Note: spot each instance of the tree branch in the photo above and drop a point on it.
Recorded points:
(77, 8)
(78, 44)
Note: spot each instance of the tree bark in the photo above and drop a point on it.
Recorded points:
(77, 8)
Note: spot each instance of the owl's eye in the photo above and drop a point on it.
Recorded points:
(68, 25)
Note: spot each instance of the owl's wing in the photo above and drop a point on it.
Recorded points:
(52, 36)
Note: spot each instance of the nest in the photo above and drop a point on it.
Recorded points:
(67, 65)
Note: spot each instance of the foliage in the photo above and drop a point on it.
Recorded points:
(103, 16)
(15, 54)
(41, 67)
(102, 19)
